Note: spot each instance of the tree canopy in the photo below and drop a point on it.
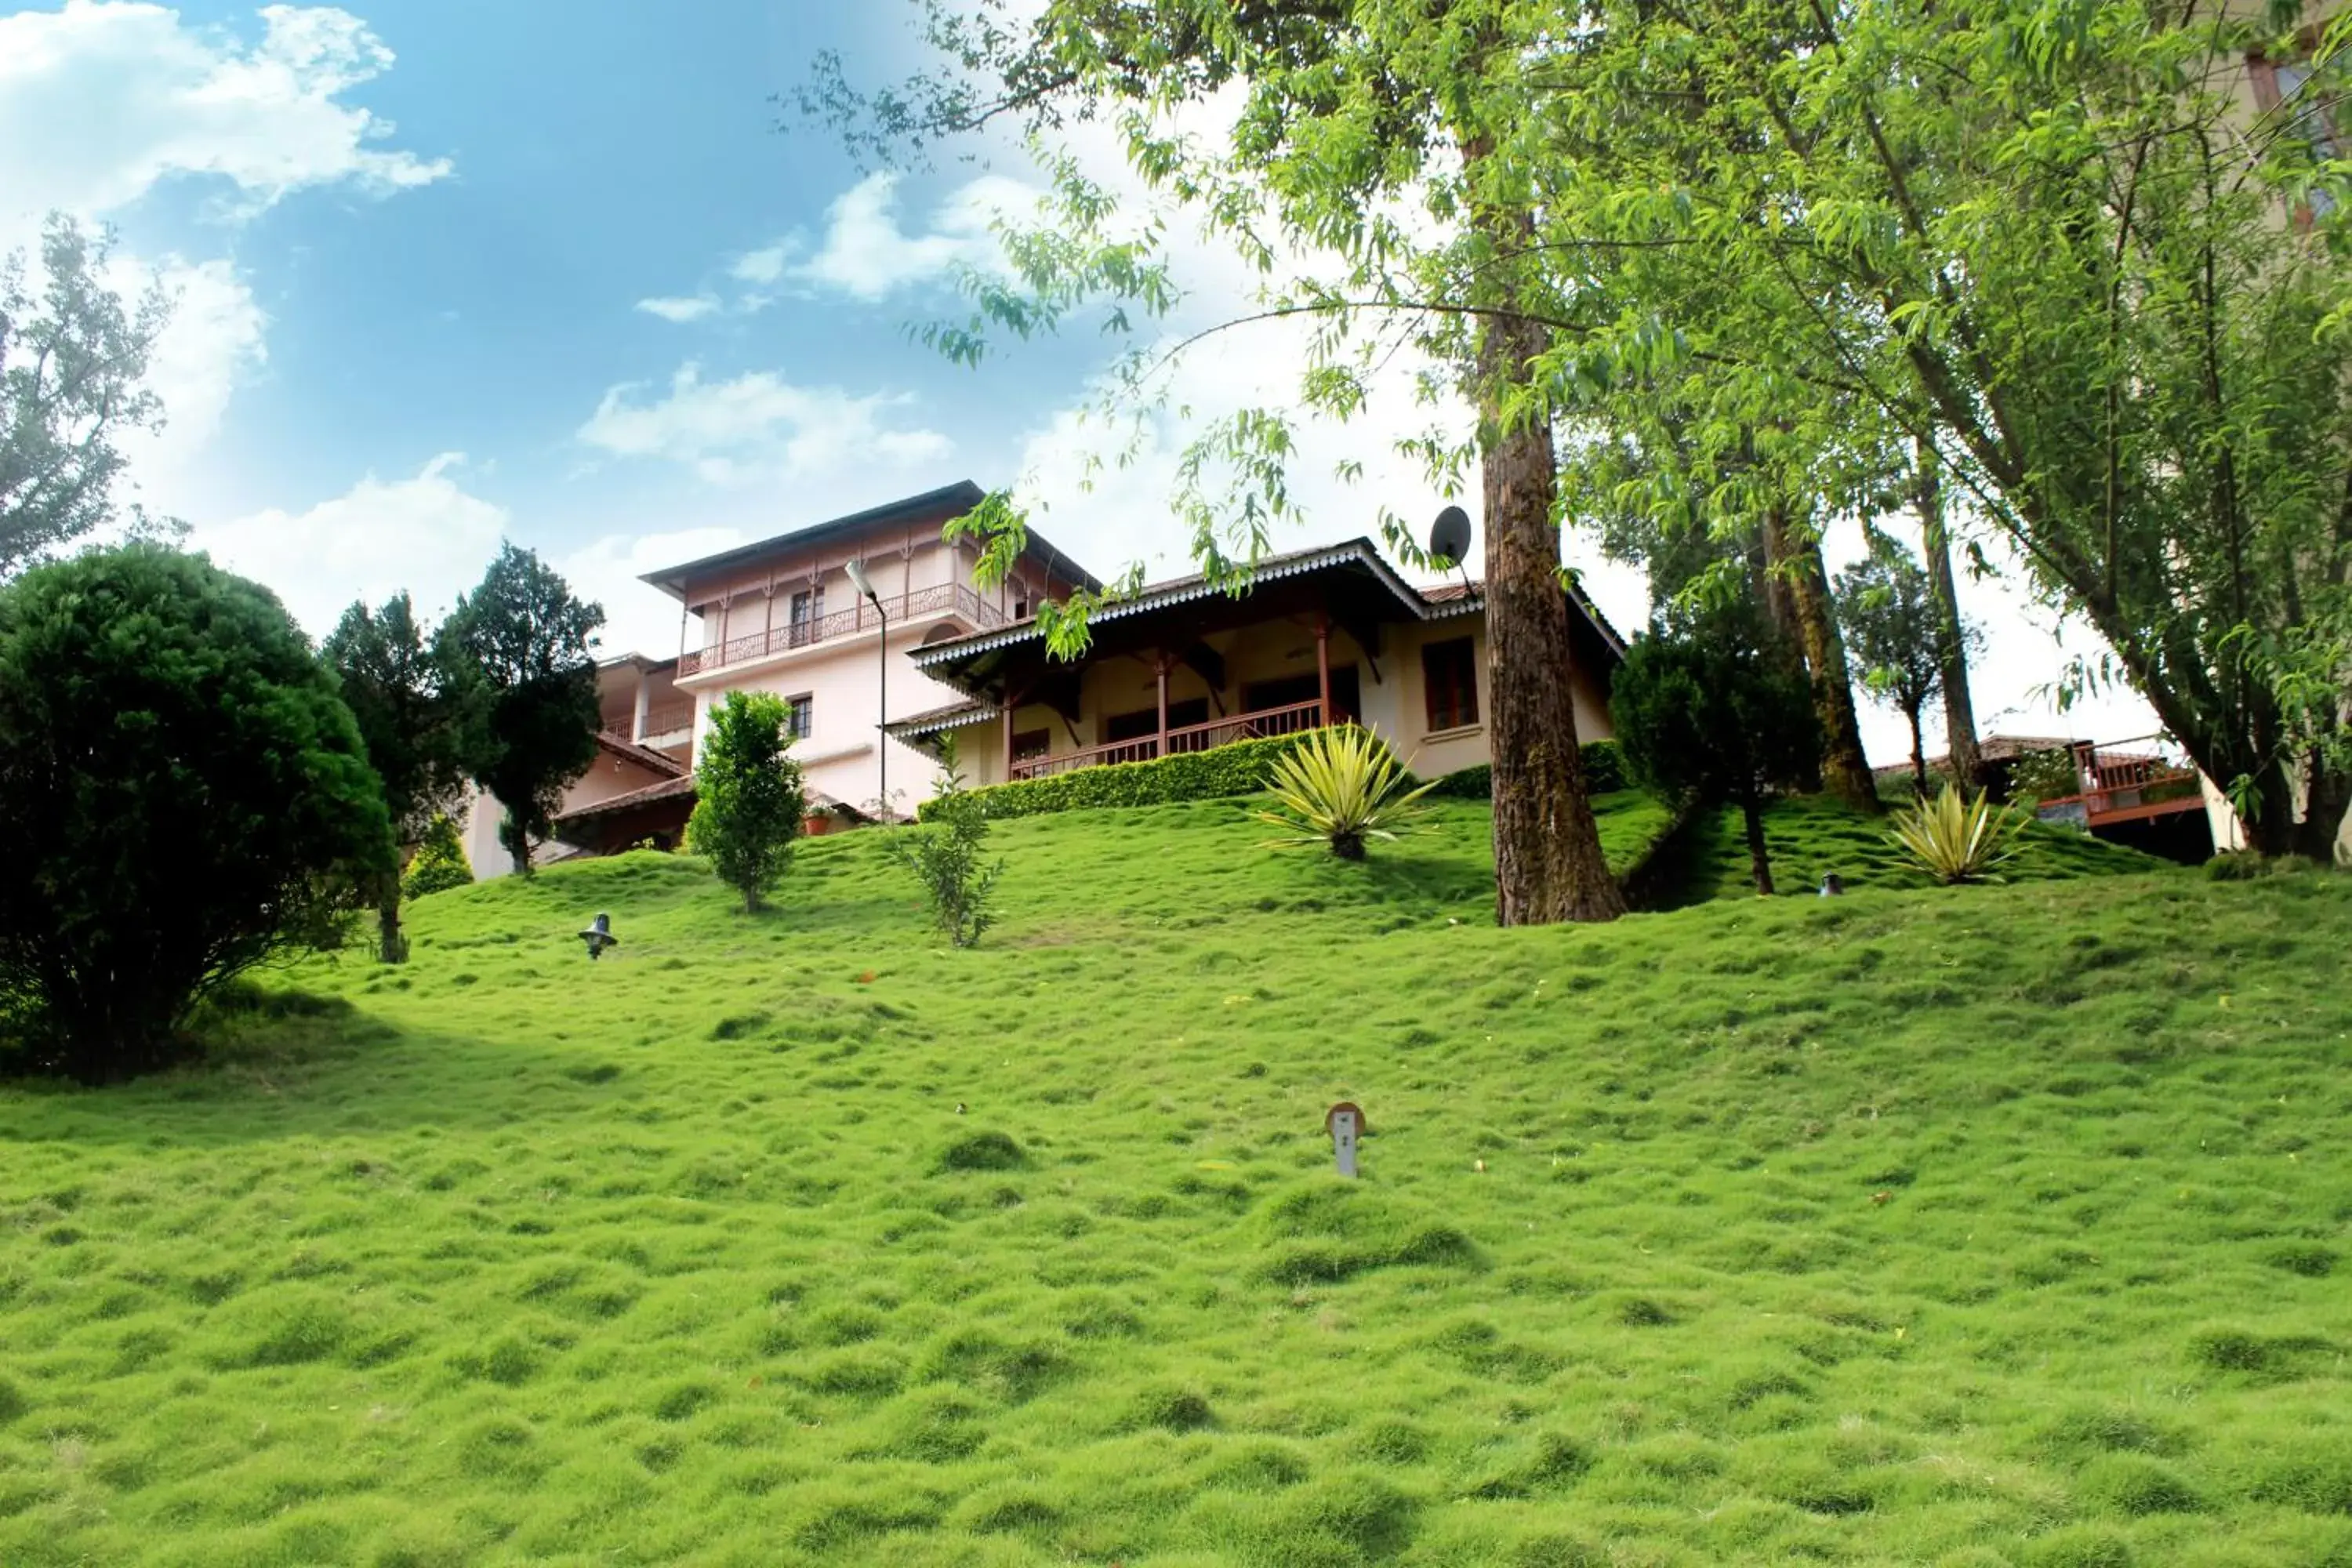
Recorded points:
(749, 802)
(400, 696)
(183, 793)
(73, 361)
(1775, 248)
(519, 653)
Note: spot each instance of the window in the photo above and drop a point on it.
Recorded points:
(808, 608)
(1021, 606)
(2286, 88)
(1028, 743)
(796, 724)
(1449, 677)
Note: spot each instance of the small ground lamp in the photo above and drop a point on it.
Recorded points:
(599, 936)
(865, 585)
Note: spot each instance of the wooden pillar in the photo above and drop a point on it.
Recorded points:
(1323, 662)
(1159, 669)
(1008, 734)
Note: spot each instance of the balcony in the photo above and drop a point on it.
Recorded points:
(2128, 786)
(956, 599)
(1257, 726)
(667, 719)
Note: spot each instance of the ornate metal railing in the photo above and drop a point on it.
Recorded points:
(946, 599)
(1290, 720)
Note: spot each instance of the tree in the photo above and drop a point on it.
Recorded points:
(944, 854)
(72, 360)
(1896, 628)
(749, 804)
(439, 863)
(1705, 715)
(517, 654)
(1349, 115)
(1952, 635)
(2054, 249)
(182, 794)
(397, 692)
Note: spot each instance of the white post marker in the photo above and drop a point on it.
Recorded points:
(1345, 1122)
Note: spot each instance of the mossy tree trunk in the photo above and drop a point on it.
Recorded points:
(1548, 864)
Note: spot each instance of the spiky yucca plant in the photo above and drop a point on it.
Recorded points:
(1957, 840)
(1340, 788)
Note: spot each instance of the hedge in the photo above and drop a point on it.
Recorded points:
(1605, 773)
(1238, 769)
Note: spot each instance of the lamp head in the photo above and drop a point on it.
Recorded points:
(859, 580)
(599, 936)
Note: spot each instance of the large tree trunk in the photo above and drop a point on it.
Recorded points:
(1788, 649)
(391, 946)
(2327, 795)
(1936, 547)
(1845, 774)
(1918, 755)
(1549, 865)
(1759, 863)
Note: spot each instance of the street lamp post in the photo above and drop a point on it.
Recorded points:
(863, 584)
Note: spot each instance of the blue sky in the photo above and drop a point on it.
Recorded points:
(449, 271)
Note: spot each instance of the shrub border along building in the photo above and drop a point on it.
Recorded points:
(1238, 769)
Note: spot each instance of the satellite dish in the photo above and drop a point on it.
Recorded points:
(1449, 536)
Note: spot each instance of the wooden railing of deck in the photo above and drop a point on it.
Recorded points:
(1257, 726)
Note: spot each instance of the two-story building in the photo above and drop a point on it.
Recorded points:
(1322, 636)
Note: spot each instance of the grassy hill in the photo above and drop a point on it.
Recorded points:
(1808, 838)
(1992, 1225)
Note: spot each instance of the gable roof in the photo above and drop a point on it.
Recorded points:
(941, 505)
(1358, 555)
(644, 757)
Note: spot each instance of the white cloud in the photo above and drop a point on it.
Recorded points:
(867, 256)
(216, 337)
(765, 264)
(104, 99)
(757, 425)
(681, 310)
(424, 533)
(639, 617)
(864, 252)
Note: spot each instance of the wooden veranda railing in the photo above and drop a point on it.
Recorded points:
(1257, 726)
(2129, 780)
(946, 598)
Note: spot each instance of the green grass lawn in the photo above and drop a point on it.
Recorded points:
(1989, 1226)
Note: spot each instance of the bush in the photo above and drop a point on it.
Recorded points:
(1958, 842)
(1340, 788)
(1238, 769)
(1605, 773)
(944, 854)
(749, 802)
(439, 863)
(182, 794)
(2051, 774)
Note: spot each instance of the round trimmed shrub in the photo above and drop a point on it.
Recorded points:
(182, 794)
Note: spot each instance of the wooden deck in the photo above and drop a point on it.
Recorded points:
(2129, 785)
